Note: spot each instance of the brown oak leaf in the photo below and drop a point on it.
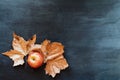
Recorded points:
(54, 59)
(21, 48)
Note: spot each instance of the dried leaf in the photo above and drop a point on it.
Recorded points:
(54, 50)
(21, 48)
(16, 56)
(55, 61)
(35, 46)
(31, 42)
(44, 46)
(56, 65)
(19, 44)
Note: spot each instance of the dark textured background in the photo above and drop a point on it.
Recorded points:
(89, 29)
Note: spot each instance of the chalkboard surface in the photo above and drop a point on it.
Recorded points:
(89, 30)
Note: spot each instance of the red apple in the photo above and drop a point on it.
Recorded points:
(35, 59)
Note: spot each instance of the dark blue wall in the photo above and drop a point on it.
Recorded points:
(89, 29)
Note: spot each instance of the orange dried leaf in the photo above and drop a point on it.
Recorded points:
(31, 42)
(55, 61)
(54, 50)
(54, 66)
(19, 44)
(16, 56)
(44, 45)
(21, 48)
(22, 45)
(35, 46)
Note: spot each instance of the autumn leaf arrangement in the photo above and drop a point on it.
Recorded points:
(52, 51)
